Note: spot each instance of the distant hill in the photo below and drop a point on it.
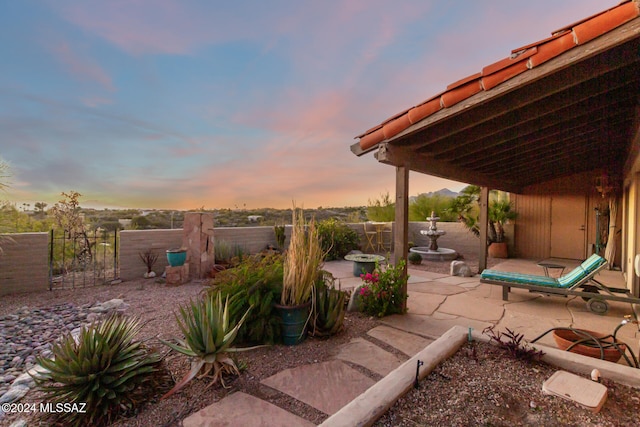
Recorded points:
(443, 192)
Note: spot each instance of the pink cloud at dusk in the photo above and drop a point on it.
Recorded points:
(182, 104)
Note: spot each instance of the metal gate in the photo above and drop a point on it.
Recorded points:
(82, 259)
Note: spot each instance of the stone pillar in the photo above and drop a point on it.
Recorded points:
(177, 276)
(198, 239)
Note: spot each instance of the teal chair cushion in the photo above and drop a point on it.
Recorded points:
(527, 279)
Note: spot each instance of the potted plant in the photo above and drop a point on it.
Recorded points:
(302, 265)
(176, 257)
(501, 211)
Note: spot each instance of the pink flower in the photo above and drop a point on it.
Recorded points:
(364, 290)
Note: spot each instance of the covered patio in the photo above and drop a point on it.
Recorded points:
(557, 119)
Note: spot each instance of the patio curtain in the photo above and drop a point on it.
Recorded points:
(610, 251)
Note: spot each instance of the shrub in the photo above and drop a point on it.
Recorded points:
(105, 367)
(415, 258)
(382, 291)
(337, 238)
(257, 282)
(208, 334)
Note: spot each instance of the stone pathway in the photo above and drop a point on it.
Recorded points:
(335, 383)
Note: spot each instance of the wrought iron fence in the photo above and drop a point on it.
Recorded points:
(82, 259)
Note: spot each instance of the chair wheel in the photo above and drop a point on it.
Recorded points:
(589, 288)
(597, 306)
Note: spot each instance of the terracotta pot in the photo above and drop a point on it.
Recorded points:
(564, 338)
(498, 250)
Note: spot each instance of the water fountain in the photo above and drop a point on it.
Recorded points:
(433, 252)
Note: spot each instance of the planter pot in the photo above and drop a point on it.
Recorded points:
(366, 262)
(498, 250)
(294, 322)
(176, 257)
(564, 338)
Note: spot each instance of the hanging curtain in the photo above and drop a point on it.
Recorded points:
(610, 251)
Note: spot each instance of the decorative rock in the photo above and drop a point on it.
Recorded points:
(24, 379)
(460, 268)
(14, 393)
(19, 423)
(355, 302)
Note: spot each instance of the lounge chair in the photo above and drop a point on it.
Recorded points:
(579, 281)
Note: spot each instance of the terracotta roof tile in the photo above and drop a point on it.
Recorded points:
(521, 60)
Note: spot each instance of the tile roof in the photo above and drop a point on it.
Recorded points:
(520, 61)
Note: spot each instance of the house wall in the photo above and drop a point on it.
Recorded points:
(533, 225)
(631, 209)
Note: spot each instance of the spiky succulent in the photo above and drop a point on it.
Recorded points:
(104, 367)
(329, 308)
(208, 335)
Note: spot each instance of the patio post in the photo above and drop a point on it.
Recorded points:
(401, 237)
(484, 227)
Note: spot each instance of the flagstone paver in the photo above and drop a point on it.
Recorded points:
(531, 326)
(435, 288)
(367, 354)
(326, 386)
(464, 305)
(421, 303)
(241, 409)
(431, 326)
(457, 280)
(406, 342)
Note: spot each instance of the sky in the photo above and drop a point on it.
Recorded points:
(185, 104)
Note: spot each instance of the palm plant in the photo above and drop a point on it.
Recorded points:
(104, 367)
(209, 334)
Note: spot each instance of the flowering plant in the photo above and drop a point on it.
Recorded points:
(382, 290)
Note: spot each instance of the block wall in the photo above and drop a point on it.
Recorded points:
(133, 242)
(24, 265)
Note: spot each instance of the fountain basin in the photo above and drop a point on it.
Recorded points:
(441, 254)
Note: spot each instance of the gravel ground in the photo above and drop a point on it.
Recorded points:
(485, 386)
(492, 390)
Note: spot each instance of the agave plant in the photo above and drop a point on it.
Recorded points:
(209, 333)
(104, 367)
(329, 308)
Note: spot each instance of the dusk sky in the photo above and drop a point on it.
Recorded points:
(186, 104)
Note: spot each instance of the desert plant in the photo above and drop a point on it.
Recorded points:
(329, 307)
(382, 291)
(278, 230)
(104, 367)
(415, 258)
(257, 282)
(382, 209)
(513, 344)
(228, 253)
(337, 238)
(422, 206)
(302, 262)
(208, 335)
(149, 258)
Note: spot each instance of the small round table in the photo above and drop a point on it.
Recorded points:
(549, 265)
(363, 263)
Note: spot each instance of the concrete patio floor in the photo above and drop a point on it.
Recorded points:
(436, 303)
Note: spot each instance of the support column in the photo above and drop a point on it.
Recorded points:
(484, 227)
(401, 237)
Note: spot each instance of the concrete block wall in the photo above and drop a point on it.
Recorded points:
(24, 266)
(133, 242)
(251, 239)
